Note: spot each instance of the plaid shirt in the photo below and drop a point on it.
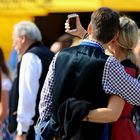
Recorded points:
(115, 81)
(45, 104)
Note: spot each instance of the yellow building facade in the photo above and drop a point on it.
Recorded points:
(13, 11)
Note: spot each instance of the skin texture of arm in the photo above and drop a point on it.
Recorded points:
(4, 105)
(21, 137)
(109, 114)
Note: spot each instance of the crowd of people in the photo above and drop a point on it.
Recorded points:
(73, 92)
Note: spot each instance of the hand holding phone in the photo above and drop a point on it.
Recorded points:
(72, 22)
(74, 27)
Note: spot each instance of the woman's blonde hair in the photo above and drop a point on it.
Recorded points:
(128, 38)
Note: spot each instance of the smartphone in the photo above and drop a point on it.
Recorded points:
(72, 22)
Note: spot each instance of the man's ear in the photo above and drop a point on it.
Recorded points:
(23, 39)
(89, 29)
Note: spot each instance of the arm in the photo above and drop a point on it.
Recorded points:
(30, 72)
(4, 105)
(115, 80)
(21, 137)
(109, 114)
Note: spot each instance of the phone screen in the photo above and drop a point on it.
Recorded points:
(72, 23)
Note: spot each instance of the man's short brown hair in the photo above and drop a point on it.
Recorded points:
(105, 24)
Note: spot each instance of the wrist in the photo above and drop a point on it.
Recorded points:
(82, 33)
(85, 35)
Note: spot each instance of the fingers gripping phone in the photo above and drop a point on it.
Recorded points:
(72, 22)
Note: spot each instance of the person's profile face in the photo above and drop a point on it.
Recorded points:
(17, 43)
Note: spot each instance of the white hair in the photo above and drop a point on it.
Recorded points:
(29, 29)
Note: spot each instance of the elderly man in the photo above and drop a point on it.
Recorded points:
(31, 72)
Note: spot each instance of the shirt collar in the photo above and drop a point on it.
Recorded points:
(92, 44)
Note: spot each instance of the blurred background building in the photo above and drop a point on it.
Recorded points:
(50, 15)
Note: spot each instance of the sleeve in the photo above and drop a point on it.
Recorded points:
(116, 81)
(45, 104)
(30, 72)
(6, 84)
